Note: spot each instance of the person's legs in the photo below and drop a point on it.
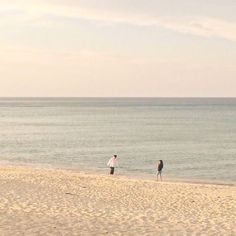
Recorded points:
(159, 174)
(112, 169)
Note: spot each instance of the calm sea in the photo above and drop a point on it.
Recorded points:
(195, 137)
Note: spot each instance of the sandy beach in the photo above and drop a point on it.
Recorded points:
(59, 202)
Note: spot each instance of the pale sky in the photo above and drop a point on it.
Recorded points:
(127, 48)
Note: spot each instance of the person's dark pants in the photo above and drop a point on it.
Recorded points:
(112, 169)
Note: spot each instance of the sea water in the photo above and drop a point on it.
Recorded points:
(195, 137)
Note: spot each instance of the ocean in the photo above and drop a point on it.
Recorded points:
(195, 137)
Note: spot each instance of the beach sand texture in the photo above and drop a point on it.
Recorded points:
(59, 202)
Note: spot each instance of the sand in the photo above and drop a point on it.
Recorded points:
(58, 202)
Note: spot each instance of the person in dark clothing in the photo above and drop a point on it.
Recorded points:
(160, 166)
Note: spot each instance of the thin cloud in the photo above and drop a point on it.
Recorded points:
(192, 25)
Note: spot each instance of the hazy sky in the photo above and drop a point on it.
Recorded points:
(117, 48)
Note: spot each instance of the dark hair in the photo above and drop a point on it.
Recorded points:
(115, 156)
(160, 166)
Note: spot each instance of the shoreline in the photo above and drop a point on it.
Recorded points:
(36, 201)
(125, 175)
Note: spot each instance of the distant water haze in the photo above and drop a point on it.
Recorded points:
(195, 137)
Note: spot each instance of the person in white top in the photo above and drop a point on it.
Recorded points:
(112, 163)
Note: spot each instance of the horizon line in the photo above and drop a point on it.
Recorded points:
(117, 97)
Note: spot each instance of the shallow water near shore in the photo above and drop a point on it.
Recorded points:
(194, 136)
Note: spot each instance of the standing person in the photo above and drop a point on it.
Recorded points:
(112, 163)
(160, 166)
